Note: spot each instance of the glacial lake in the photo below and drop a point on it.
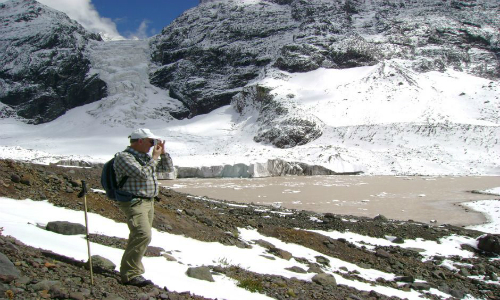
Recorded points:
(428, 199)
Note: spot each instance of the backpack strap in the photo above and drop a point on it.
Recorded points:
(124, 178)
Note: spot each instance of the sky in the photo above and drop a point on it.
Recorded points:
(118, 19)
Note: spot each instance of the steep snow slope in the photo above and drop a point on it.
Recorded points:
(124, 66)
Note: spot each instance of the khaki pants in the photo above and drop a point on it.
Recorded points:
(139, 213)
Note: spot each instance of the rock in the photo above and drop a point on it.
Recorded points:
(44, 285)
(315, 268)
(281, 253)
(398, 240)
(382, 253)
(493, 276)
(202, 273)
(325, 280)
(464, 272)
(322, 260)
(15, 178)
(75, 183)
(405, 279)
(113, 297)
(7, 268)
(264, 244)
(66, 228)
(76, 296)
(57, 81)
(102, 262)
(169, 257)
(57, 292)
(489, 243)
(380, 218)
(420, 286)
(296, 269)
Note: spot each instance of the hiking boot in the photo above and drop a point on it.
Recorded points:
(138, 281)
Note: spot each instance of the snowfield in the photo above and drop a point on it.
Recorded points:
(23, 219)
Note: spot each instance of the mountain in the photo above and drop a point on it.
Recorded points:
(207, 57)
(382, 87)
(43, 65)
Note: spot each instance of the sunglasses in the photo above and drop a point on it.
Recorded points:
(153, 142)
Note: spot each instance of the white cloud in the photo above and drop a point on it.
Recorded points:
(84, 12)
(141, 32)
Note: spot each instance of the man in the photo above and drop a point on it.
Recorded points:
(142, 183)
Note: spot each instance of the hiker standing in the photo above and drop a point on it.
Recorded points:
(140, 169)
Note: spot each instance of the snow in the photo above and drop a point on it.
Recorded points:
(438, 124)
(25, 219)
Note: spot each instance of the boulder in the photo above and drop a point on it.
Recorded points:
(7, 268)
(324, 279)
(102, 263)
(66, 228)
(322, 260)
(489, 243)
(281, 253)
(296, 270)
(202, 273)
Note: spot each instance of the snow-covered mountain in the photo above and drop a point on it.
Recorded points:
(43, 69)
(384, 87)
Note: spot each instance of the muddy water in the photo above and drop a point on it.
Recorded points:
(423, 199)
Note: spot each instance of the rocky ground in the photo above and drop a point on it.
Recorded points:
(48, 275)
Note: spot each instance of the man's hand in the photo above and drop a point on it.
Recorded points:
(158, 149)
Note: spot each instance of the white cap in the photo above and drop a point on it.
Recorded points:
(142, 133)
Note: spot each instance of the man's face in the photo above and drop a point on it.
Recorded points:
(146, 144)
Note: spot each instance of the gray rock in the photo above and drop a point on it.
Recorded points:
(102, 262)
(405, 279)
(322, 260)
(264, 244)
(382, 253)
(464, 272)
(296, 269)
(489, 243)
(420, 286)
(44, 285)
(7, 268)
(76, 296)
(202, 273)
(281, 253)
(113, 297)
(169, 257)
(324, 279)
(380, 218)
(66, 228)
(314, 268)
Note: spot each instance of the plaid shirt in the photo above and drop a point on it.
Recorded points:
(141, 170)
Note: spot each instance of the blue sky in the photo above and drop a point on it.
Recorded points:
(130, 15)
(118, 19)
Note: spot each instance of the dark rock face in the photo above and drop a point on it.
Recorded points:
(43, 67)
(489, 243)
(210, 54)
(280, 125)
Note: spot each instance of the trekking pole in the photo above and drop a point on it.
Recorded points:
(83, 194)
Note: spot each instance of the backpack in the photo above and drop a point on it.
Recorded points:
(108, 179)
(110, 184)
